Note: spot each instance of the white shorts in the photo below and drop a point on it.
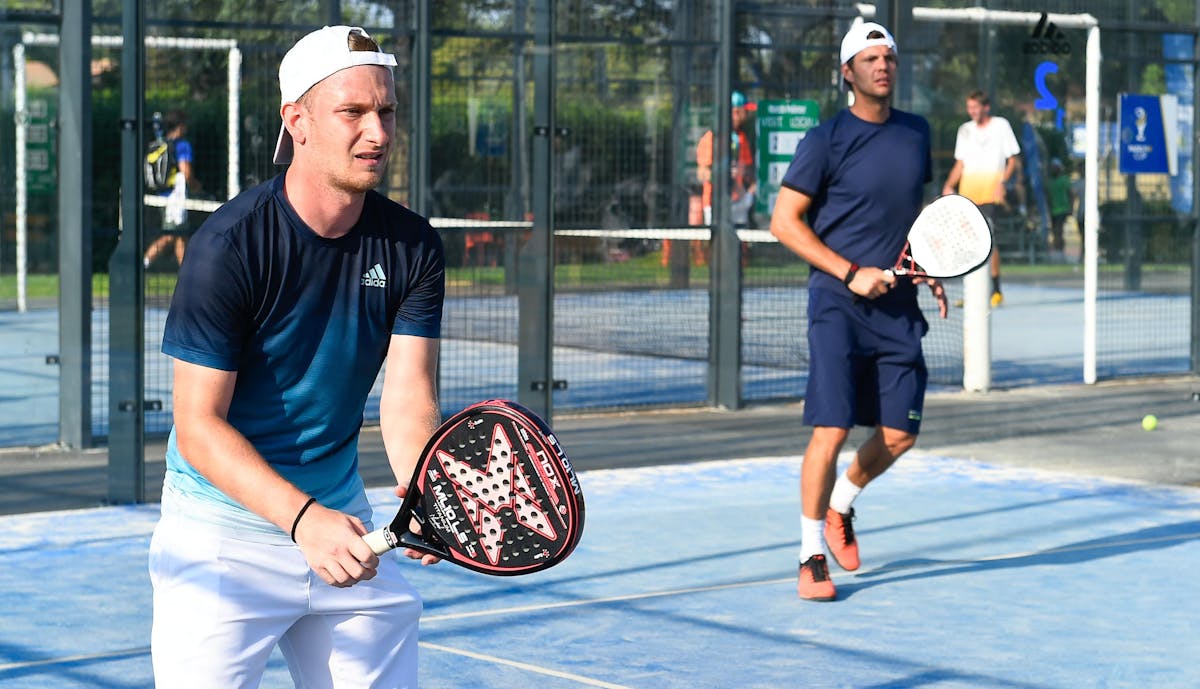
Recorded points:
(222, 604)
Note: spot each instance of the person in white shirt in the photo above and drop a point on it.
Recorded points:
(985, 158)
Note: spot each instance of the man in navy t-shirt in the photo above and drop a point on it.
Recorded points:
(293, 296)
(853, 189)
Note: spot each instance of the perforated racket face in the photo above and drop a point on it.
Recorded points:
(500, 493)
(950, 238)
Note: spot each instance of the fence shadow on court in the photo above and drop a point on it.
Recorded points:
(1151, 538)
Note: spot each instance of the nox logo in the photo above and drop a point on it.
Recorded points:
(1047, 39)
(500, 485)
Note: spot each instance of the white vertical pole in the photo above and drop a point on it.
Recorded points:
(977, 329)
(235, 85)
(22, 123)
(1091, 205)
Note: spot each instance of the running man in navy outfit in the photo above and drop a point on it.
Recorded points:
(292, 297)
(854, 187)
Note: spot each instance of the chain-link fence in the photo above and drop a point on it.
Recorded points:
(636, 87)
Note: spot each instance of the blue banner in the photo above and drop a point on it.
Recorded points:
(1146, 133)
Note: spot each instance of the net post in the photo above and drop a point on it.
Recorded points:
(233, 121)
(977, 330)
(1091, 214)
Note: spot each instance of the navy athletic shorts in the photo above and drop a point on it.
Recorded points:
(866, 367)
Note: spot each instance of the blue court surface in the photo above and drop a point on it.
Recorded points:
(974, 575)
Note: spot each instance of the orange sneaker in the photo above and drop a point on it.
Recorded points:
(815, 583)
(839, 536)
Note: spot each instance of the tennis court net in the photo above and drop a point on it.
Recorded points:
(631, 318)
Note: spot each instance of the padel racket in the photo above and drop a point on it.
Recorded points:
(493, 492)
(949, 239)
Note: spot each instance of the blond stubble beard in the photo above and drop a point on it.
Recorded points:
(348, 184)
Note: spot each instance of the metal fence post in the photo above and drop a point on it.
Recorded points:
(420, 107)
(75, 227)
(725, 313)
(535, 278)
(1195, 214)
(127, 426)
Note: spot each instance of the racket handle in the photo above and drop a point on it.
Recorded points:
(383, 540)
(430, 545)
(380, 541)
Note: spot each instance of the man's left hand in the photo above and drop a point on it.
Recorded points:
(939, 293)
(425, 558)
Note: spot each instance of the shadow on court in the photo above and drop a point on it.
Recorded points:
(1035, 539)
(1152, 538)
(983, 576)
(975, 575)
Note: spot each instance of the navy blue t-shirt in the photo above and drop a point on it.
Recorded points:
(306, 322)
(866, 183)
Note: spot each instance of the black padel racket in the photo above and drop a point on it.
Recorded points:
(949, 239)
(493, 492)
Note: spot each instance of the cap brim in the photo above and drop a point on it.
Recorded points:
(283, 147)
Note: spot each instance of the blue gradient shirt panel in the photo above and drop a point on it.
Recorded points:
(305, 322)
(866, 182)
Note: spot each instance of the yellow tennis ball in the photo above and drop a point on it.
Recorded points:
(1149, 422)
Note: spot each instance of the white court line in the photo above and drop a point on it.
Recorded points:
(598, 601)
(145, 650)
(26, 664)
(779, 580)
(22, 665)
(524, 666)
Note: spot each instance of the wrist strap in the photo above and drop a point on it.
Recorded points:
(850, 274)
(301, 514)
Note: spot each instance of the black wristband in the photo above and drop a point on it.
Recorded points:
(301, 514)
(850, 274)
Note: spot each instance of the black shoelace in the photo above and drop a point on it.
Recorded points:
(820, 568)
(848, 526)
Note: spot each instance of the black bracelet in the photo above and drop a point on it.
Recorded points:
(850, 274)
(301, 514)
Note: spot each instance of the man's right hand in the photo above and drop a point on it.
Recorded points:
(332, 544)
(871, 282)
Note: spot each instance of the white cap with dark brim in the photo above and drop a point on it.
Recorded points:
(313, 58)
(856, 39)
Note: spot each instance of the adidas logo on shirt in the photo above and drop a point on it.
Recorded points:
(374, 277)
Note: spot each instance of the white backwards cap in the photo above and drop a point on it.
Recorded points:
(313, 58)
(856, 40)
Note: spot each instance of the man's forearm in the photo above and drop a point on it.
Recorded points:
(231, 463)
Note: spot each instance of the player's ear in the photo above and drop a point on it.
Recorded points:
(293, 118)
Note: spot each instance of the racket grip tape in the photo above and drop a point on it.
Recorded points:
(380, 540)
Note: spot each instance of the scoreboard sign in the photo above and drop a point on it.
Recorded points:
(781, 125)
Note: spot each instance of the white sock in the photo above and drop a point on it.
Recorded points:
(844, 493)
(812, 538)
